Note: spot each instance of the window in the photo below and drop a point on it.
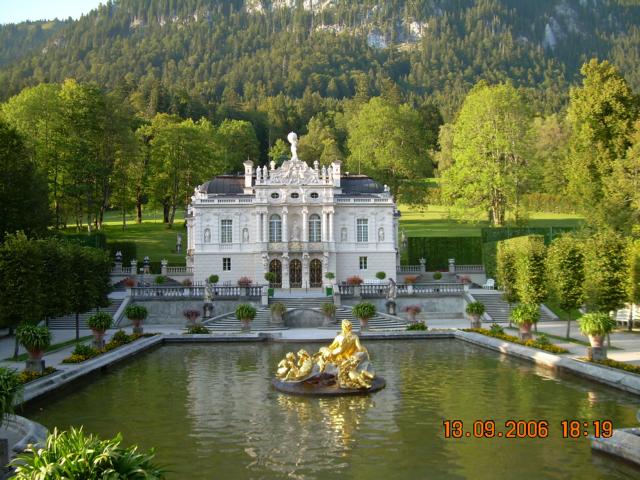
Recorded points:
(362, 230)
(315, 228)
(275, 195)
(275, 228)
(314, 195)
(226, 231)
(226, 264)
(295, 195)
(363, 263)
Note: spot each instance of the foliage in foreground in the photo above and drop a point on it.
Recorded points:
(417, 326)
(511, 338)
(198, 329)
(10, 389)
(74, 454)
(27, 376)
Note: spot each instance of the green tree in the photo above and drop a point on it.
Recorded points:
(237, 143)
(506, 272)
(490, 152)
(23, 192)
(386, 141)
(601, 113)
(566, 276)
(319, 144)
(278, 151)
(531, 272)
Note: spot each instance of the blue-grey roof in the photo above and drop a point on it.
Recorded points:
(225, 185)
(359, 185)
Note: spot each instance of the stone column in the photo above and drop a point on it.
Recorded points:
(305, 224)
(324, 226)
(285, 225)
(163, 267)
(258, 227)
(265, 226)
(331, 218)
(285, 271)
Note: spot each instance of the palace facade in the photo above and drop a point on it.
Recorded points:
(296, 221)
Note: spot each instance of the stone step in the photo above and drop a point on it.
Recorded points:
(499, 310)
(68, 322)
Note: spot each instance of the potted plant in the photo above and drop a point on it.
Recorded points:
(363, 311)
(525, 315)
(35, 340)
(329, 312)
(437, 276)
(99, 323)
(213, 279)
(278, 310)
(246, 313)
(270, 277)
(412, 311)
(129, 282)
(161, 280)
(381, 275)
(191, 314)
(596, 325)
(329, 289)
(475, 311)
(136, 313)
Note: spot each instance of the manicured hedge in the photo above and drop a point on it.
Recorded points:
(505, 233)
(438, 250)
(129, 251)
(95, 239)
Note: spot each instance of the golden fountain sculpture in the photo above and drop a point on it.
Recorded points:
(341, 368)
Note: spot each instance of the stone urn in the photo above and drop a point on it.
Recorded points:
(475, 321)
(597, 350)
(525, 331)
(98, 339)
(246, 324)
(364, 324)
(35, 363)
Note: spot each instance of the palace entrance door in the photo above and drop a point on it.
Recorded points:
(275, 266)
(315, 273)
(295, 273)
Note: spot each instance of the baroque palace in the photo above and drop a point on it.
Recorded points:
(296, 221)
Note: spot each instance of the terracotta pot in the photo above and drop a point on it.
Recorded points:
(475, 321)
(364, 324)
(597, 341)
(98, 338)
(246, 325)
(525, 331)
(411, 316)
(35, 354)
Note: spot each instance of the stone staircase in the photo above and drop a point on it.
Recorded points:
(378, 322)
(230, 323)
(498, 309)
(68, 322)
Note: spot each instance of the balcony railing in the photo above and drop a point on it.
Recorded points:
(374, 290)
(196, 291)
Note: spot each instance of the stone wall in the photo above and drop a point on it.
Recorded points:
(303, 318)
(169, 311)
(440, 307)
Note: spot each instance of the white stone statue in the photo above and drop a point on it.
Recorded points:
(343, 234)
(207, 235)
(245, 235)
(293, 140)
(381, 234)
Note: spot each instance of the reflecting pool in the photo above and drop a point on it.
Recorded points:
(210, 412)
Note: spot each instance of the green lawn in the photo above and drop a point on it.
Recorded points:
(436, 221)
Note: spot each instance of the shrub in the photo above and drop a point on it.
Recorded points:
(161, 280)
(475, 308)
(27, 376)
(417, 326)
(596, 323)
(509, 338)
(191, 314)
(85, 350)
(381, 275)
(198, 329)
(329, 309)
(627, 367)
(100, 322)
(278, 308)
(543, 339)
(73, 454)
(329, 275)
(525, 313)
(364, 310)
(496, 329)
(244, 282)
(245, 312)
(410, 279)
(136, 312)
(213, 279)
(129, 282)
(120, 337)
(354, 280)
(129, 251)
(270, 277)
(34, 338)
(437, 275)
(413, 309)
(10, 390)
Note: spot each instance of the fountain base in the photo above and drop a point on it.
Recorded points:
(322, 388)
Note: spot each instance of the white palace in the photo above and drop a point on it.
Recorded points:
(295, 221)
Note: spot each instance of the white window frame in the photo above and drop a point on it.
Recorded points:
(226, 264)
(315, 228)
(226, 230)
(362, 230)
(275, 228)
(363, 263)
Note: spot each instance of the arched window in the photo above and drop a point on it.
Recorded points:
(315, 228)
(275, 228)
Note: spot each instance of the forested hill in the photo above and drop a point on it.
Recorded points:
(187, 55)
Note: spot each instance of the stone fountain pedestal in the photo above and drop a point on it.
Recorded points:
(318, 388)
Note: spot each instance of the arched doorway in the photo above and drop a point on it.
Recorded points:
(275, 266)
(315, 273)
(295, 273)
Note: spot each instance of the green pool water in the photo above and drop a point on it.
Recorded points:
(210, 412)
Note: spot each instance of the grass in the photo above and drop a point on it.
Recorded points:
(51, 348)
(573, 314)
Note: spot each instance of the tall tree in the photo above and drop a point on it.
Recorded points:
(237, 142)
(319, 143)
(23, 192)
(490, 152)
(601, 113)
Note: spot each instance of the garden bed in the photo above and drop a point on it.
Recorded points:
(627, 367)
(27, 376)
(83, 352)
(510, 338)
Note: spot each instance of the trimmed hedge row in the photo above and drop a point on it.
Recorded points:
(505, 233)
(129, 251)
(438, 250)
(95, 239)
